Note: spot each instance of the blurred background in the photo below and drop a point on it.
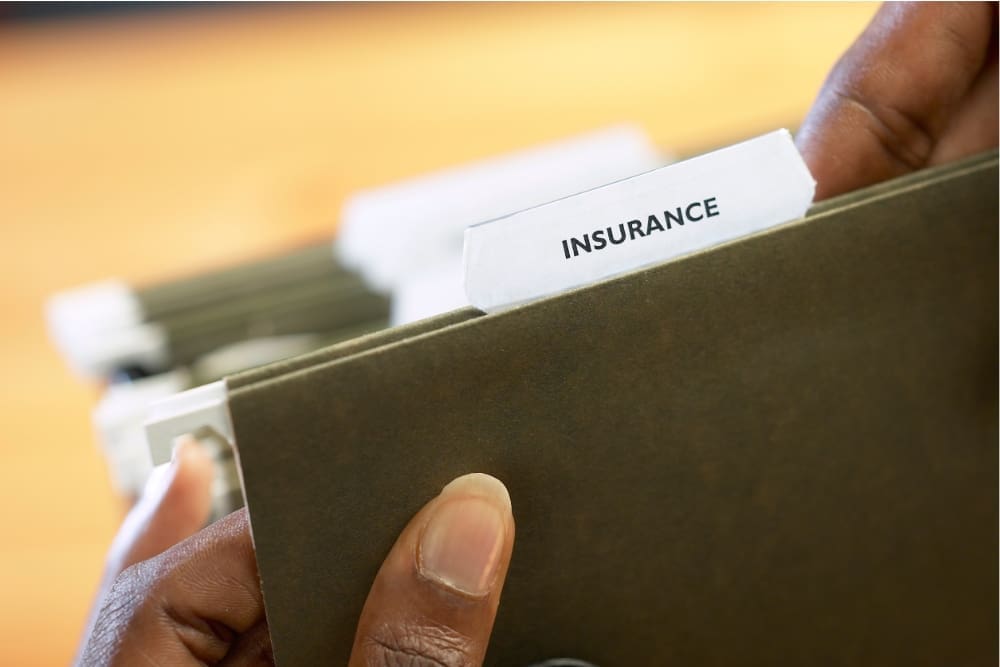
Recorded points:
(145, 143)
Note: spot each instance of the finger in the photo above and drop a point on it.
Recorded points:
(175, 504)
(196, 603)
(890, 99)
(435, 598)
(974, 127)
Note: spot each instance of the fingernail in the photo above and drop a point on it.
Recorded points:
(181, 449)
(163, 475)
(463, 540)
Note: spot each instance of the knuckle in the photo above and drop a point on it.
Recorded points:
(904, 136)
(126, 606)
(419, 644)
(131, 591)
(147, 591)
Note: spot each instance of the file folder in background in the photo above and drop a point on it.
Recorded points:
(111, 327)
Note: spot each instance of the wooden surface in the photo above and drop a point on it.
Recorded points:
(152, 146)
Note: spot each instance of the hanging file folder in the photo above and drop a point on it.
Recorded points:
(782, 449)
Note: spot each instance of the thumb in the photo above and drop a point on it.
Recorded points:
(435, 598)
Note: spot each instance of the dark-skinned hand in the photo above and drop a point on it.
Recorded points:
(918, 88)
(198, 602)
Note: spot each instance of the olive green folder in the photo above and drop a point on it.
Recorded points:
(781, 450)
(304, 291)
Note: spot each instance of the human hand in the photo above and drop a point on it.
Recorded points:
(918, 88)
(434, 599)
(175, 504)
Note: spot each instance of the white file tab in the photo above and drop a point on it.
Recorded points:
(392, 233)
(647, 219)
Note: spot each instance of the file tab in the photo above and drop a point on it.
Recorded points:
(646, 219)
(392, 233)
